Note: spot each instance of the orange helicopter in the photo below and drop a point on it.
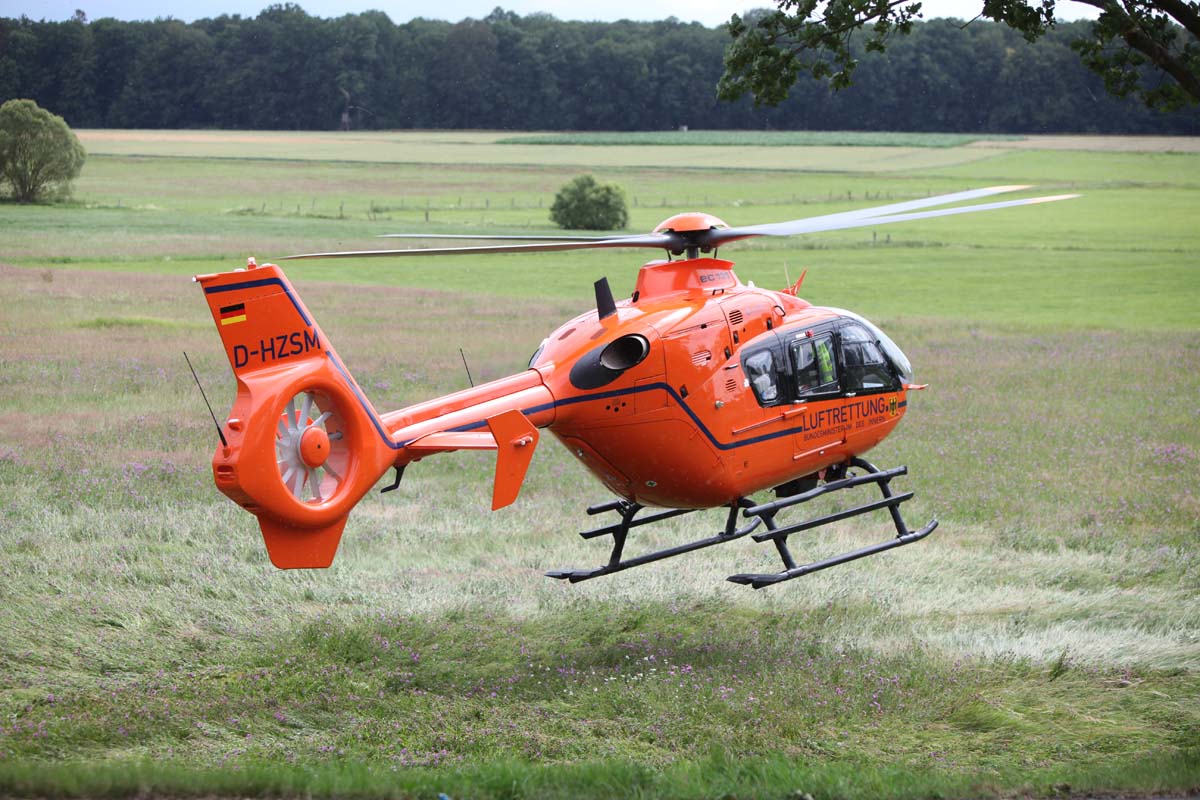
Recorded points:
(696, 392)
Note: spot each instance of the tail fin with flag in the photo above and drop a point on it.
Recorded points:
(303, 444)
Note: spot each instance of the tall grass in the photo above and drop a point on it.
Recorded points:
(1046, 544)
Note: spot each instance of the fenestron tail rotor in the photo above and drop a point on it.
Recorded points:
(309, 449)
(696, 233)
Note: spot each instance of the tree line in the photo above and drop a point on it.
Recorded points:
(285, 69)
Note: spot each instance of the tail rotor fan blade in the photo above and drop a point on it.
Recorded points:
(298, 483)
(314, 483)
(305, 408)
(310, 481)
(331, 472)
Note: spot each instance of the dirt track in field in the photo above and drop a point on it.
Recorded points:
(1103, 144)
(1113, 144)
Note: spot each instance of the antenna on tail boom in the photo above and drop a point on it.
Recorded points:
(470, 380)
(220, 432)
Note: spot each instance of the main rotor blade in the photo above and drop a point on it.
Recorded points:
(871, 216)
(504, 237)
(678, 242)
(658, 240)
(913, 205)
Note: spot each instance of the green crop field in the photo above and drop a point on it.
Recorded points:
(761, 138)
(1044, 641)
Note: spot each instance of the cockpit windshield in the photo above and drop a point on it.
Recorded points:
(890, 348)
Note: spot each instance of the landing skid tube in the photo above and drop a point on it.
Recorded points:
(628, 511)
(758, 515)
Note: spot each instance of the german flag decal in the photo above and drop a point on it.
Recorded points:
(233, 314)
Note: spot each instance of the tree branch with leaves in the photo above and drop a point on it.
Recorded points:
(1146, 48)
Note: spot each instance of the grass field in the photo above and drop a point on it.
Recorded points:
(1044, 641)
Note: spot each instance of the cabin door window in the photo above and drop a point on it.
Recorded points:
(815, 366)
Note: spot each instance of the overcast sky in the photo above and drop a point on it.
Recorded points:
(708, 12)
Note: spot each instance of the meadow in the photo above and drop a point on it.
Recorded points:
(1044, 641)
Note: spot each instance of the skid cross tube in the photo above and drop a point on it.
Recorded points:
(619, 530)
(873, 475)
(774, 533)
(627, 510)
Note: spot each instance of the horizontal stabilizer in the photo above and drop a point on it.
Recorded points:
(447, 441)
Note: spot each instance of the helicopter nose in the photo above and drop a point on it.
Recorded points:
(891, 350)
(894, 354)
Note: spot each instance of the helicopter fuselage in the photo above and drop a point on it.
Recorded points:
(696, 391)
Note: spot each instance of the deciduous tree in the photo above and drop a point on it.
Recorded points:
(39, 154)
(583, 203)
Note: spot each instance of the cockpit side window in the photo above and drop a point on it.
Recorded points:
(865, 367)
(533, 359)
(814, 366)
(763, 374)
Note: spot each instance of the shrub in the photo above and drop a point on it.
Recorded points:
(39, 154)
(584, 204)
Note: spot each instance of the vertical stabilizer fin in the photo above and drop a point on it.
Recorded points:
(291, 547)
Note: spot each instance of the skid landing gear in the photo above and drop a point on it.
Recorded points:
(757, 516)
